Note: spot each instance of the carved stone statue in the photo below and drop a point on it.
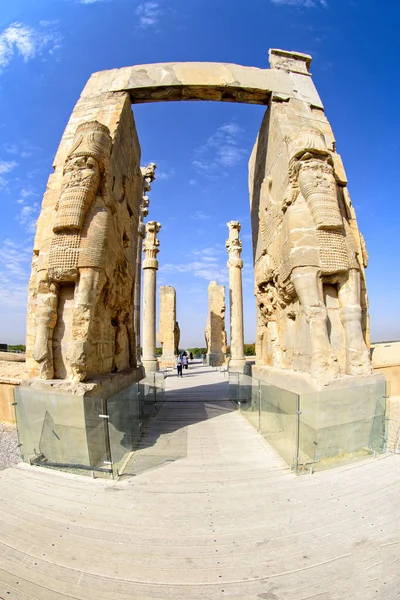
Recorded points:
(311, 263)
(84, 272)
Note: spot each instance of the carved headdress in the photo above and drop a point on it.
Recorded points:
(310, 140)
(92, 139)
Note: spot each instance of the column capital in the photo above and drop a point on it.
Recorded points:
(144, 206)
(234, 245)
(150, 245)
(148, 174)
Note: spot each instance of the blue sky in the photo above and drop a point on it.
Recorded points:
(49, 48)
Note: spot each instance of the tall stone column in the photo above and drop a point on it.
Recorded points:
(167, 329)
(137, 291)
(215, 328)
(150, 266)
(235, 265)
(148, 178)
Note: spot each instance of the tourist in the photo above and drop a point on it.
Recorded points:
(185, 360)
(191, 356)
(179, 366)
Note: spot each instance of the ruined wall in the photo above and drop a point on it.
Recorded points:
(309, 255)
(79, 322)
(166, 332)
(215, 333)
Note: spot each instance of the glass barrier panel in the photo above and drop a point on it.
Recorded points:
(123, 426)
(343, 425)
(147, 398)
(279, 421)
(248, 394)
(233, 387)
(62, 430)
(159, 387)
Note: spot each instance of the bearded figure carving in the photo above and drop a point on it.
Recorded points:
(74, 255)
(311, 240)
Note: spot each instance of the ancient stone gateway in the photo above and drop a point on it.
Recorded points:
(309, 255)
(80, 323)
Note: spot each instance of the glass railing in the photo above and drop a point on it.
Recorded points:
(62, 431)
(84, 434)
(319, 430)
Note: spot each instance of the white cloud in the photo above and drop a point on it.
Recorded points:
(209, 264)
(149, 13)
(201, 269)
(14, 274)
(200, 216)
(5, 167)
(222, 149)
(27, 42)
(305, 3)
(28, 215)
(164, 175)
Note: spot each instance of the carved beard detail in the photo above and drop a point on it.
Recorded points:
(318, 187)
(81, 181)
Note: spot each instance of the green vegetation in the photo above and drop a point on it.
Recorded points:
(16, 348)
(197, 351)
(249, 349)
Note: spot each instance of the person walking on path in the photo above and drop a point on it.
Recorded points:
(179, 365)
(185, 360)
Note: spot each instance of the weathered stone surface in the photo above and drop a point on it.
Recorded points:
(215, 333)
(80, 293)
(167, 329)
(309, 254)
(150, 267)
(211, 81)
(235, 264)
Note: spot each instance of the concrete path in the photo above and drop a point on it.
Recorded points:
(211, 512)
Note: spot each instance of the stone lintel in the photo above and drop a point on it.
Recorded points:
(222, 82)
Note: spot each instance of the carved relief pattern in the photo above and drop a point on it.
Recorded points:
(308, 243)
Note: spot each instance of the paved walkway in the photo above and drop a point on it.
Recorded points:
(212, 512)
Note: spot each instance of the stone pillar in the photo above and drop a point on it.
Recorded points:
(215, 328)
(166, 332)
(235, 265)
(137, 291)
(148, 178)
(150, 266)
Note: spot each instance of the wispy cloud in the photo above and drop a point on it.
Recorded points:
(29, 209)
(28, 215)
(23, 149)
(27, 42)
(6, 166)
(200, 216)
(305, 3)
(14, 273)
(209, 264)
(165, 175)
(149, 14)
(222, 150)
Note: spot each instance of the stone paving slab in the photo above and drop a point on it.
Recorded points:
(209, 511)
